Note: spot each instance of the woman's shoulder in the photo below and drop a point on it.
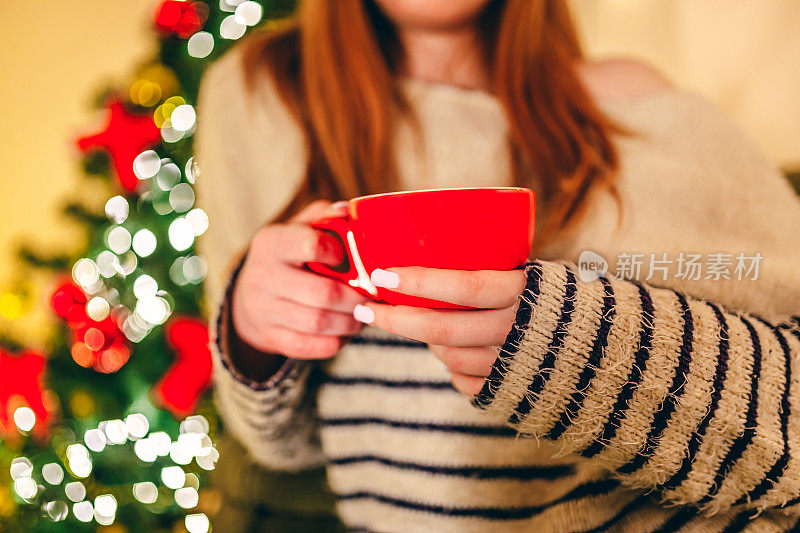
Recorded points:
(621, 78)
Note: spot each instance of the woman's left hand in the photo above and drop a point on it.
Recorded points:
(465, 340)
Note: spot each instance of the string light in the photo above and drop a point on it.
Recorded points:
(230, 28)
(173, 477)
(117, 209)
(197, 523)
(200, 45)
(75, 491)
(85, 272)
(145, 492)
(24, 418)
(21, 467)
(248, 13)
(181, 234)
(53, 473)
(83, 511)
(146, 164)
(144, 242)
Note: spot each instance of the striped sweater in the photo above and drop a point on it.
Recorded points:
(615, 404)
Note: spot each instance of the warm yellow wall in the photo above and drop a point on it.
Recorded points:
(53, 57)
(743, 54)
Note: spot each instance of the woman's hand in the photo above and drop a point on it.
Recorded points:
(278, 306)
(465, 340)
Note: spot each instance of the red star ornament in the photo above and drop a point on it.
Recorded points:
(125, 136)
(21, 386)
(180, 17)
(184, 382)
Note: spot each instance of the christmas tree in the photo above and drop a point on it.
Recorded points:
(111, 426)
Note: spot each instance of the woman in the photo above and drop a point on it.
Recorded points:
(612, 403)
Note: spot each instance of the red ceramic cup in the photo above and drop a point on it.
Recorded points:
(487, 228)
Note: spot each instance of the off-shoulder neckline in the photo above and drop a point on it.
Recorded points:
(480, 97)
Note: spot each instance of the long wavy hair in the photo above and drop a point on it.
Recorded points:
(336, 65)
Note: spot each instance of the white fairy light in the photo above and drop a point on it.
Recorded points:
(195, 269)
(181, 197)
(137, 425)
(116, 432)
(197, 523)
(201, 44)
(176, 272)
(57, 510)
(191, 444)
(181, 234)
(83, 511)
(209, 460)
(229, 5)
(95, 440)
(79, 462)
(191, 170)
(187, 497)
(75, 491)
(108, 264)
(21, 467)
(161, 441)
(146, 164)
(128, 263)
(183, 117)
(85, 272)
(173, 477)
(97, 308)
(180, 452)
(145, 492)
(168, 176)
(230, 28)
(144, 242)
(194, 424)
(248, 13)
(105, 504)
(155, 310)
(24, 418)
(117, 209)
(145, 287)
(199, 221)
(53, 473)
(145, 450)
(25, 487)
(118, 240)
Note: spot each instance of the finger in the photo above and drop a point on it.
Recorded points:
(448, 327)
(303, 287)
(319, 209)
(485, 289)
(297, 244)
(297, 345)
(314, 320)
(469, 385)
(469, 360)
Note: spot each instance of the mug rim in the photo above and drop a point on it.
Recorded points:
(417, 191)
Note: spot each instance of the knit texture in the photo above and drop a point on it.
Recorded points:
(614, 404)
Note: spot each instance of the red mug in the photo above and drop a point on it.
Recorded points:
(483, 228)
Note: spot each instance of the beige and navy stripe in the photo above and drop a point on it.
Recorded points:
(661, 399)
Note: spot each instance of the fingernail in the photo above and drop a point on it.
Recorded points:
(339, 205)
(384, 278)
(364, 314)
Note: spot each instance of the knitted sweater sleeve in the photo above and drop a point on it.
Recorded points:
(276, 419)
(669, 392)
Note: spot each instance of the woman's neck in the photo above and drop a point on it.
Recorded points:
(452, 57)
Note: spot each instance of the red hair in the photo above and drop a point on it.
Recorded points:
(335, 67)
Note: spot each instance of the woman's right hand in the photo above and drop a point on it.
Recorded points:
(279, 306)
